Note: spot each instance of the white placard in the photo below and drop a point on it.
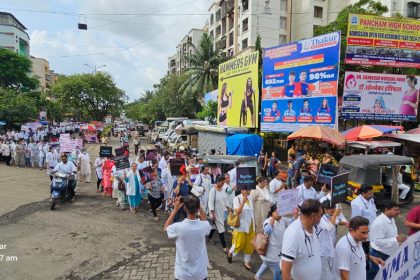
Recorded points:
(288, 201)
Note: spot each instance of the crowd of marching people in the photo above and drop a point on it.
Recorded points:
(202, 200)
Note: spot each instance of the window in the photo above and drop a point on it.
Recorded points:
(283, 5)
(413, 10)
(231, 21)
(245, 43)
(218, 15)
(211, 34)
(230, 39)
(245, 25)
(318, 12)
(211, 19)
(218, 30)
(282, 39)
(224, 27)
(283, 21)
(245, 5)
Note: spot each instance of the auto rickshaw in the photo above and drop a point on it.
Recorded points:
(381, 172)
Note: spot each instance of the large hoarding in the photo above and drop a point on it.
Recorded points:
(238, 94)
(385, 41)
(300, 84)
(376, 96)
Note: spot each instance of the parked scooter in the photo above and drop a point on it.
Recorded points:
(60, 188)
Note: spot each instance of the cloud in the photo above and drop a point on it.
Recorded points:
(133, 48)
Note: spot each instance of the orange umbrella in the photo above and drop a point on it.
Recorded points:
(320, 133)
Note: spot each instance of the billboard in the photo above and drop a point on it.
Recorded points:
(384, 41)
(300, 84)
(238, 92)
(374, 96)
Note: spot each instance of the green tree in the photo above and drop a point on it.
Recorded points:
(209, 112)
(95, 95)
(16, 109)
(203, 74)
(15, 72)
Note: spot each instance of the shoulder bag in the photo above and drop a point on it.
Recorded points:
(233, 219)
(260, 243)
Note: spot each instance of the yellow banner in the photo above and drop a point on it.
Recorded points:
(238, 92)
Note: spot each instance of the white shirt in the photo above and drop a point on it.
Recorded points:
(247, 214)
(349, 256)
(273, 253)
(66, 168)
(162, 163)
(326, 232)
(383, 235)
(305, 193)
(98, 165)
(275, 185)
(364, 208)
(52, 159)
(191, 253)
(306, 256)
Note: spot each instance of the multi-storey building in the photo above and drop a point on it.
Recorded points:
(267, 18)
(13, 34)
(42, 72)
(179, 61)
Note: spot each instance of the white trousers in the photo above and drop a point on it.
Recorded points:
(404, 190)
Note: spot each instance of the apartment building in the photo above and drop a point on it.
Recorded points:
(268, 18)
(42, 72)
(178, 62)
(13, 34)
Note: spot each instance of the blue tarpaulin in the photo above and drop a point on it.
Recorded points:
(244, 144)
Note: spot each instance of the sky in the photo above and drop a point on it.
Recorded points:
(132, 38)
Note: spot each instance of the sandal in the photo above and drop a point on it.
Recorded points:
(247, 267)
(225, 250)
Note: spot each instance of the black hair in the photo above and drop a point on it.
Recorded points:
(289, 102)
(292, 156)
(308, 178)
(220, 178)
(412, 78)
(276, 172)
(310, 206)
(357, 222)
(191, 203)
(306, 100)
(365, 188)
(273, 208)
(327, 205)
(292, 73)
(388, 204)
(275, 102)
(261, 179)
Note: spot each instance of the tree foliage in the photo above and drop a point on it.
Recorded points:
(16, 109)
(203, 74)
(209, 112)
(96, 95)
(15, 72)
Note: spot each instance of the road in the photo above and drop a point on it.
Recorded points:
(90, 238)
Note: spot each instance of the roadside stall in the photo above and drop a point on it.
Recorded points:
(369, 146)
(378, 171)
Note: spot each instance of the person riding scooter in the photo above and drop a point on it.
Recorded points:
(67, 168)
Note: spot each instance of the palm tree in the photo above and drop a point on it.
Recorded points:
(203, 74)
(146, 96)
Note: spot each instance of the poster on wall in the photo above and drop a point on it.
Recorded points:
(238, 92)
(383, 41)
(374, 96)
(300, 84)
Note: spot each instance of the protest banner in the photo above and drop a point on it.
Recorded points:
(105, 151)
(79, 142)
(300, 84)
(246, 178)
(404, 263)
(325, 173)
(238, 92)
(288, 201)
(375, 96)
(339, 188)
(151, 155)
(121, 162)
(383, 41)
(175, 165)
(119, 151)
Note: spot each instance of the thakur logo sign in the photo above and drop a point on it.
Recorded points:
(354, 20)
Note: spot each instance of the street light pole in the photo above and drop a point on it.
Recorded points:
(95, 68)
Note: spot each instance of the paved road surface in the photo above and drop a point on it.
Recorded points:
(90, 238)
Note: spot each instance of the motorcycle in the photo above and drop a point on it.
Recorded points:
(60, 189)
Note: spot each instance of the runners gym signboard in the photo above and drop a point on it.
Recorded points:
(238, 93)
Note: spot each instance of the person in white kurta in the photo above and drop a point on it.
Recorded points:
(217, 207)
(85, 165)
(98, 169)
(202, 186)
(167, 182)
(51, 161)
(261, 199)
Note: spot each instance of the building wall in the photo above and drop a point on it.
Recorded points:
(14, 39)
(41, 71)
